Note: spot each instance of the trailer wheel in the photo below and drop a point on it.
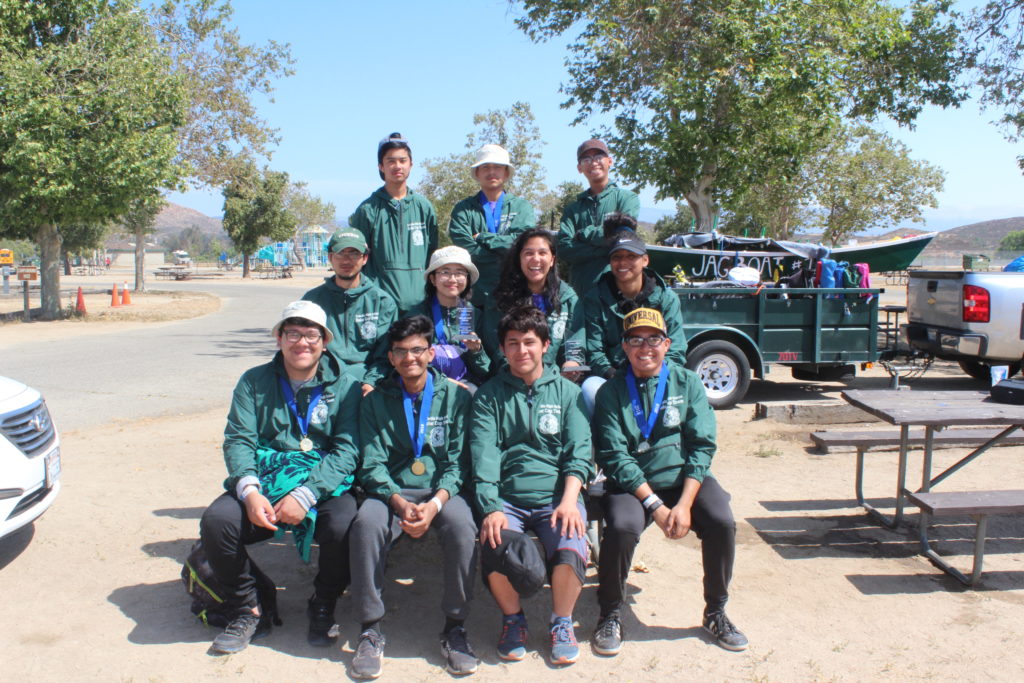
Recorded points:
(724, 370)
(982, 371)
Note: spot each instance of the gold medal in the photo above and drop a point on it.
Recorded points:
(418, 467)
(306, 444)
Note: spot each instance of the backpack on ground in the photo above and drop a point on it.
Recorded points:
(208, 593)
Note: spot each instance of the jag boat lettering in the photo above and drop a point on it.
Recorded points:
(716, 266)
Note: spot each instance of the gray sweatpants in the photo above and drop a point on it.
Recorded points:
(375, 530)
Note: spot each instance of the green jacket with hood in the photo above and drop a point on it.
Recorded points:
(682, 442)
(525, 440)
(601, 320)
(359, 319)
(581, 240)
(260, 417)
(401, 234)
(468, 229)
(478, 363)
(387, 446)
(566, 334)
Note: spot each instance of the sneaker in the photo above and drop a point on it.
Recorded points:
(564, 649)
(321, 620)
(460, 658)
(608, 635)
(369, 658)
(242, 629)
(724, 633)
(512, 643)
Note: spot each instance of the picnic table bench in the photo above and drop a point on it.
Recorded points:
(173, 272)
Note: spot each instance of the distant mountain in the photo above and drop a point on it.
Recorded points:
(983, 238)
(174, 218)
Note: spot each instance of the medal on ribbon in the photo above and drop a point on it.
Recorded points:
(306, 444)
(418, 427)
(646, 422)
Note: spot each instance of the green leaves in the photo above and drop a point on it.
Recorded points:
(255, 209)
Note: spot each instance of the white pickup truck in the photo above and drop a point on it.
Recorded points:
(973, 317)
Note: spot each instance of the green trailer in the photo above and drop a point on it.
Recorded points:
(734, 333)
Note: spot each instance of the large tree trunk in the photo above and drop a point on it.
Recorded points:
(140, 260)
(49, 241)
(299, 259)
(66, 258)
(701, 202)
(245, 265)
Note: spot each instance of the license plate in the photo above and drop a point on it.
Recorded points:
(52, 467)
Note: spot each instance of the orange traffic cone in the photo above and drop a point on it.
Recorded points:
(126, 298)
(114, 302)
(80, 303)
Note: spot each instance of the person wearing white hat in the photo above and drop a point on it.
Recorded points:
(487, 223)
(458, 350)
(291, 454)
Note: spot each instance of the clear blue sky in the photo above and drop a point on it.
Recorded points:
(365, 69)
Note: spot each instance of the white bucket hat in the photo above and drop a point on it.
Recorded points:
(492, 154)
(307, 310)
(447, 256)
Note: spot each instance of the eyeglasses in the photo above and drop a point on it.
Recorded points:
(312, 336)
(452, 274)
(415, 351)
(592, 158)
(653, 340)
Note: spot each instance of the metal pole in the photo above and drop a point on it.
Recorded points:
(28, 315)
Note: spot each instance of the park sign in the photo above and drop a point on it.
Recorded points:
(28, 273)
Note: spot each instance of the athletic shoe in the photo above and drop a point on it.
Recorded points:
(512, 643)
(238, 633)
(724, 633)
(608, 635)
(459, 656)
(564, 649)
(321, 620)
(369, 659)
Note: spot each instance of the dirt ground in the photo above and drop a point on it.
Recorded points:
(92, 590)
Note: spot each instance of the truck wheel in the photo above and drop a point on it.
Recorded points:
(724, 370)
(982, 371)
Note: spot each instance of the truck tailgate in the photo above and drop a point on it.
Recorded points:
(935, 298)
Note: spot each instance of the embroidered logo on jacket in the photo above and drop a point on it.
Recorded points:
(438, 426)
(558, 325)
(417, 230)
(367, 325)
(670, 415)
(550, 420)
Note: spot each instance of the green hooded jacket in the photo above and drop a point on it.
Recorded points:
(581, 240)
(567, 338)
(682, 442)
(359, 319)
(601, 320)
(387, 446)
(260, 417)
(468, 229)
(478, 363)
(401, 234)
(524, 441)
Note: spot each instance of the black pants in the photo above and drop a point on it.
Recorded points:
(226, 530)
(625, 519)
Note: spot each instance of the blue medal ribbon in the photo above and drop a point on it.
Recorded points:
(418, 428)
(492, 217)
(442, 338)
(289, 397)
(646, 422)
(541, 302)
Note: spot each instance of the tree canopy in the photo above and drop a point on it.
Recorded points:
(254, 210)
(997, 31)
(711, 97)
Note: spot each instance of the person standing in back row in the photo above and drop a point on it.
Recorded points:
(581, 237)
(400, 226)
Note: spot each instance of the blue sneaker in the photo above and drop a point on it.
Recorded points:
(512, 643)
(564, 649)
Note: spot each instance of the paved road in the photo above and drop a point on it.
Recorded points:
(180, 368)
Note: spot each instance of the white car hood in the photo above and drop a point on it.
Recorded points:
(13, 395)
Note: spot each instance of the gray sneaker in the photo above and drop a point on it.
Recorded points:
(724, 632)
(459, 656)
(369, 659)
(608, 635)
(237, 634)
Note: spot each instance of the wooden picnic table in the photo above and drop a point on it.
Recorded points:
(173, 272)
(933, 410)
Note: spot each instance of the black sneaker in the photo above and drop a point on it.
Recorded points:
(608, 635)
(369, 659)
(724, 633)
(459, 656)
(321, 621)
(235, 638)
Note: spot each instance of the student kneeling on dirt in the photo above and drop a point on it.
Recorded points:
(654, 435)
(413, 428)
(530, 444)
(291, 457)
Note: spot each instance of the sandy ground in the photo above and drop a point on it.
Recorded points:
(92, 591)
